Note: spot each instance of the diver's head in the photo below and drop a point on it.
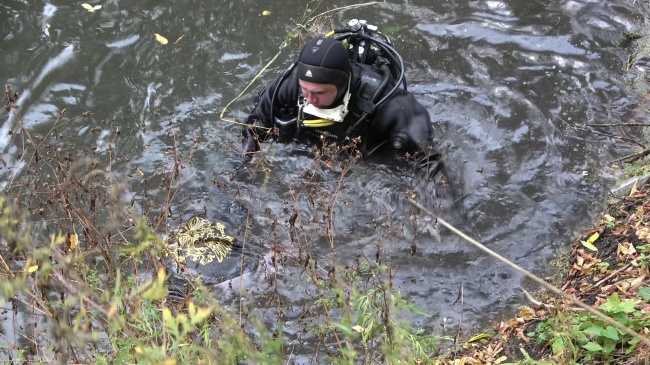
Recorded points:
(323, 71)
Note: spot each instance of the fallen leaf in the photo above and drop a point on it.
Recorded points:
(179, 39)
(637, 282)
(527, 313)
(634, 188)
(608, 217)
(482, 336)
(32, 268)
(589, 245)
(593, 237)
(161, 39)
(358, 328)
(266, 12)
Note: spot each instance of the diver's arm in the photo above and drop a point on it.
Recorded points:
(408, 125)
(274, 101)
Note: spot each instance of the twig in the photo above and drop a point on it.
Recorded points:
(576, 128)
(608, 277)
(618, 124)
(634, 156)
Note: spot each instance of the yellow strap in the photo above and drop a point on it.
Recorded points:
(317, 123)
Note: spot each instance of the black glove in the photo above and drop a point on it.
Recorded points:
(252, 133)
(250, 140)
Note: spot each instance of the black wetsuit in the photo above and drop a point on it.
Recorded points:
(400, 123)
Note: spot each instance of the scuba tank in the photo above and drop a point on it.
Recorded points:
(367, 45)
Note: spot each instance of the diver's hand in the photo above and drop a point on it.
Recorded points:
(250, 141)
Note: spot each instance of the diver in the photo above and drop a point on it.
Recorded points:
(347, 86)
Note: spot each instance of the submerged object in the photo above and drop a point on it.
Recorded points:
(201, 249)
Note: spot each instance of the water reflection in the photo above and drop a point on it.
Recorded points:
(512, 86)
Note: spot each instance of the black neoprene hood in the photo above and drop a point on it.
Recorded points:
(325, 61)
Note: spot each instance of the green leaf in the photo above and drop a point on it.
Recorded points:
(627, 306)
(609, 347)
(611, 333)
(612, 303)
(644, 293)
(558, 346)
(594, 331)
(592, 346)
(345, 329)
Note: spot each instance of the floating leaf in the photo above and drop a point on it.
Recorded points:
(266, 12)
(91, 8)
(74, 241)
(32, 268)
(161, 39)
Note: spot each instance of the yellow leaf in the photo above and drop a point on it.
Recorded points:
(622, 249)
(32, 268)
(91, 8)
(482, 336)
(266, 12)
(161, 39)
(589, 245)
(593, 237)
(358, 328)
(527, 313)
(74, 241)
(500, 360)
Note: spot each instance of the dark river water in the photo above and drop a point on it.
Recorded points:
(513, 87)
